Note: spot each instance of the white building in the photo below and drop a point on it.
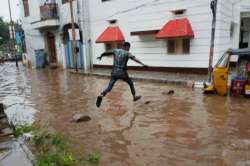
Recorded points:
(170, 35)
(140, 21)
(46, 24)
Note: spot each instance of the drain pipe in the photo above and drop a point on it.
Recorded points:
(211, 52)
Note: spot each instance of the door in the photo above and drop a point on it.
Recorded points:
(220, 75)
(51, 48)
(70, 60)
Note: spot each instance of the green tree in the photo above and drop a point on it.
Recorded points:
(4, 32)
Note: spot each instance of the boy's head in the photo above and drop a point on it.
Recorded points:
(126, 46)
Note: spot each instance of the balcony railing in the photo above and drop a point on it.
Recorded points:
(49, 11)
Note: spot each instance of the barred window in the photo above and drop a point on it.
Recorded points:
(178, 46)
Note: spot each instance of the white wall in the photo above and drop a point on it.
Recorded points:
(64, 13)
(154, 16)
(35, 38)
(230, 13)
(84, 22)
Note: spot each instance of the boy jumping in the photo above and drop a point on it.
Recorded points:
(121, 57)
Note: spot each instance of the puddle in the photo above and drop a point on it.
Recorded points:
(185, 128)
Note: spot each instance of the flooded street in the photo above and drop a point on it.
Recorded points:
(186, 128)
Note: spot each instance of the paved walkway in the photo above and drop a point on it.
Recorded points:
(14, 154)
(162, 77)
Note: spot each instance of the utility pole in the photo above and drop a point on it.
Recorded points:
(74, 50)
(13, 50)
(211, 53)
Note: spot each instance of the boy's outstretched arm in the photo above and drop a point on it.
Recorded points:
(107, 53)
(138, 61)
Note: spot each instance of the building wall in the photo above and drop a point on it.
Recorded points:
(150, 15)
(84, 22)
(229, 18)
(224, 20)
(140, 15)
(31, 34)
(239, 7)
(153, 16)
(64, 13)
(35, 38)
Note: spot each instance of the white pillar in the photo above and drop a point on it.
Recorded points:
(84, 21)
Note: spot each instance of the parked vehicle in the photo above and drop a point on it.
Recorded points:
(240, 83)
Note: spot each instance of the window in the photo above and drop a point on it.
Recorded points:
(108, 46)
(111, 46)
(178, 46)
(223, 61)
(231, 29)
(114, 21)
(186, 46)
(171, 46)
(179, 11)
(26, 8)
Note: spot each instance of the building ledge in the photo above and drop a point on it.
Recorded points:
(52, 23)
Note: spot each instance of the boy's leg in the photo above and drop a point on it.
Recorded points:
(110, 86)
(104, 93)
(132, 88)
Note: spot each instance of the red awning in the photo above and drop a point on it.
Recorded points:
(111, 34)
(180, 28)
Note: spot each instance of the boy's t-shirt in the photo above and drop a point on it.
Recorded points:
(121, 58)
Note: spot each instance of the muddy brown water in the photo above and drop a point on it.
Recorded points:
(186, 128)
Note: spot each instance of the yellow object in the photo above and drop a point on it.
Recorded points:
(209, 89)
(220, 75)
(220, 78)
(247, 90)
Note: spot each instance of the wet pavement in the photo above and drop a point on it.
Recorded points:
(14, 90)
(186, 128)
(13, 155)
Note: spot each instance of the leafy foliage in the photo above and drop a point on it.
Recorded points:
(65, 159)
(4, 32)
(19, 131)
(94, 158)
(51, 149)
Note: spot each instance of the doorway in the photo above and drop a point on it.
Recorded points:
(51, 48)
(69, 57)
(245, 33)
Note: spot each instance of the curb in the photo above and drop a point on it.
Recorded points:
(18, 142)
(30, 156)
(185, 83)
